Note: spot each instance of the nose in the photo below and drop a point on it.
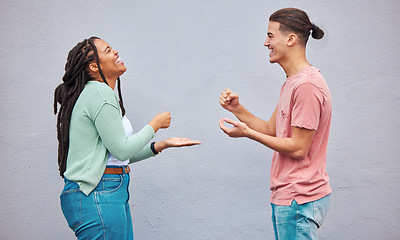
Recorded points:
(115, 52)
(266, 43)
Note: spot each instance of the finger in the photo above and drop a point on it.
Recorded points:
(184, 139)
(223, 94)
(224, 97)
(221, 123)
(230, 121)
(226, 93)
(193, 142)
(189, 142)
(222, 101)
(222, 126)
(232, 96)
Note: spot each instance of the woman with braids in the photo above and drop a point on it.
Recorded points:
(297, 131)
(96, 143)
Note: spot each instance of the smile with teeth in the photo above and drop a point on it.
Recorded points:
(118, 60)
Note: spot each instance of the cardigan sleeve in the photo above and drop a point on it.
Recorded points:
(112, 134)
(146, 152)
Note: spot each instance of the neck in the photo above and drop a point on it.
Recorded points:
(295, 62)
(110, 81)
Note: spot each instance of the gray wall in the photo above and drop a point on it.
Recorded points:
(180, 55)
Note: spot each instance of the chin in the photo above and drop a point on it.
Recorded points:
(123, 70)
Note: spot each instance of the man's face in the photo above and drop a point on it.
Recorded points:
(276, 43)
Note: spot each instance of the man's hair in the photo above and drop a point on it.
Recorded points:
(67, 93)
(296, 21)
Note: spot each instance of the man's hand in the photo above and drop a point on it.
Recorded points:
(229, 100)
(239, 129)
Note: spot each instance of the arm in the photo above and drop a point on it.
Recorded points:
(109, 126)
(230, 101)
(146, 152)
(297, 146)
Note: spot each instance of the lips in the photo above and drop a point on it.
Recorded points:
(270, 51)
(119, 61)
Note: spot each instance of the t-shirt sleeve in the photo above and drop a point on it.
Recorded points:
(307, 106)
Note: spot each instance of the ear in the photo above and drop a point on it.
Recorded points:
(93, 67)
(292, 39)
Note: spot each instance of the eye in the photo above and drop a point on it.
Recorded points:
(108, 49)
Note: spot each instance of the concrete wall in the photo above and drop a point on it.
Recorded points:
(180, 55)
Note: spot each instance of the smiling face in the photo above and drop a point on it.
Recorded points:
(276, 43)
(110, 63)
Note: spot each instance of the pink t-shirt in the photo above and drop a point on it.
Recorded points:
(305, 102)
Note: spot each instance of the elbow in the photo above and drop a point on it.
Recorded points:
(122, 154)
(300, 155)
(121, 157)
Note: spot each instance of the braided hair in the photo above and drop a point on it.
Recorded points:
(67, 93)
(296, 20)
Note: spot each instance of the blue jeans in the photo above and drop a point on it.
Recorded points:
(104, 214)
(297, 222)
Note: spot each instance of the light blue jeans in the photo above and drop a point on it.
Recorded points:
(104, 214)
(298, 222)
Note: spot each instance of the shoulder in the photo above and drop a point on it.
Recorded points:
(312, 86)
(93, 98)
(97, 92)
(309, 77)
(315, 77)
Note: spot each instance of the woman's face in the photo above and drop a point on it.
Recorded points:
(110, 63)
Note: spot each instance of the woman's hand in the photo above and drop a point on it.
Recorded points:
(174, 142)
(161, 120)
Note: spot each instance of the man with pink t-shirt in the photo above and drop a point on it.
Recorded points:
(297, 131)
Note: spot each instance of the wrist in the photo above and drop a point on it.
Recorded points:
(251, 134)
(154, 125)
(238, 109)
(159, 146)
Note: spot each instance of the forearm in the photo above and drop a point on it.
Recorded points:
(146, 152)
(254, 122)
(109, 126)
(133, 146)
(287, 146)
(160, 146)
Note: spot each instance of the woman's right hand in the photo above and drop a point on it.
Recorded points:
(175, 142)
(161, 120)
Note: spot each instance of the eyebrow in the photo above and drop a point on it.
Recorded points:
(105, 50)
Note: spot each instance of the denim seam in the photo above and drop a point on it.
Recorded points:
(80, 211)
(95, 196)
(315, 217)
(70, 191)
(115, 189)
(298, 229)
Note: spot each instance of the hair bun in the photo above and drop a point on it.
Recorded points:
(317, 32)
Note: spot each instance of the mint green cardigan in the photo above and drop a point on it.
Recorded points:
(96, 129)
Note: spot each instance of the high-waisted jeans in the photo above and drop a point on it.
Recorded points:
(104, 214)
